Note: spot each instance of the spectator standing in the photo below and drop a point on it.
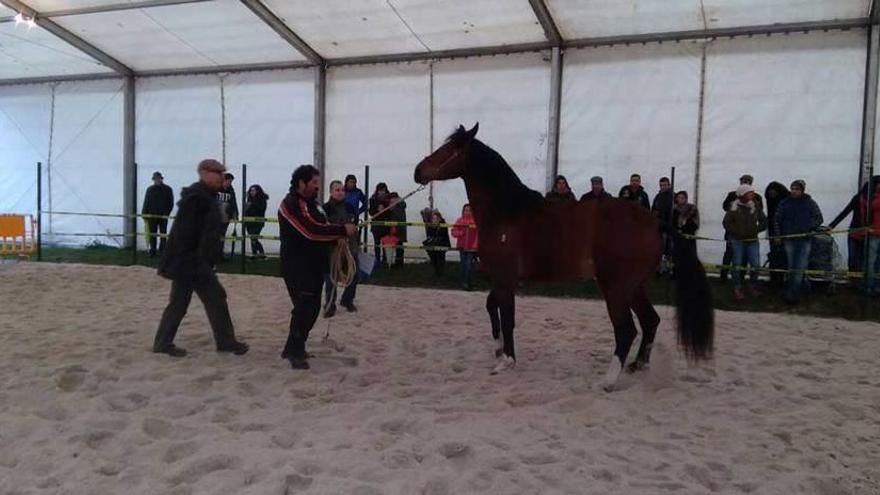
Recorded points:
(158, 201)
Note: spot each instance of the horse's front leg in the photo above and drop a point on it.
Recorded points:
(495, 318)
(507, 306)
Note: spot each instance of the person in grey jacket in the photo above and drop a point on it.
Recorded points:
(340, 212)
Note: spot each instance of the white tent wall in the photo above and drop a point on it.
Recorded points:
(630, 110)
(270, 127)
(781, 108)
(178, 123)
(24, 140)
(510, 97)
(87, 162)
(380, 116)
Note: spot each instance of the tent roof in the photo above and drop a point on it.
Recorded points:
(156, 35)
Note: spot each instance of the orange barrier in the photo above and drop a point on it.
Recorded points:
(18, 235)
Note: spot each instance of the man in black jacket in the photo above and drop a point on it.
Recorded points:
(159, 201)
(189, 261)
(228, 206)
(306, 238)
(662, 210)
(597, 190)
(340, 212)
(635, 192)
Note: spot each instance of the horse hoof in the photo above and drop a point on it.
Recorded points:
(504, 364)
(608, 387)
(636, 366)
(499, 353)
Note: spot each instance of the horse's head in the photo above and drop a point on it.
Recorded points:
(448, 161)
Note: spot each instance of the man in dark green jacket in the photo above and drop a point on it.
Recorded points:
(743, 222)
(340, 212)
(189, 259)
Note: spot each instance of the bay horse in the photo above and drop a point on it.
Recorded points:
(525, 238)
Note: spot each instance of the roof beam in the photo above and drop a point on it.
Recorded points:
(218, 69)
(767, 29)
(72, 39)
(99, 9)
(51, 79)
(277, 25)
(874, 12)
(457, 53)
(547, 22)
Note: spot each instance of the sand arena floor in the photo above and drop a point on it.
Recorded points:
(790, 405)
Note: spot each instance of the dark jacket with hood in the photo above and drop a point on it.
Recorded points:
(798, 215)
(194, 241)
(341, 213)
(558, 197)
(639, 196)
(306, 238)
(773, 203)
(256, 207)
(398, 214)
(662, 209)
(377, 204)
(158, 200)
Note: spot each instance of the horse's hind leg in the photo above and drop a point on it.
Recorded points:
(495, 318)
(649, 321)
(624, 335)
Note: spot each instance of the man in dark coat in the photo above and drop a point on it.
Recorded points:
(661, 207)
(797, 217)
(189, 260)
(635, 192)
(306, 238)
(159, 201)
(340, 212)
(228, 205)
(597, 190)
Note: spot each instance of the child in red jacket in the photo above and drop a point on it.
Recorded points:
(465, 233)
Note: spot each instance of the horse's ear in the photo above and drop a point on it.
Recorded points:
(461, 129)
(473, 132)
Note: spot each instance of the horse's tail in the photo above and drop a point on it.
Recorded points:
(693, 301)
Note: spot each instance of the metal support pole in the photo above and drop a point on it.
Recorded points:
(129, 168)
(555, 107)
(244, 198)
(702, 101)
(367, 213)
(670, 237)
(869, 116)
(39, 211)
(320, 122)
(134, 219)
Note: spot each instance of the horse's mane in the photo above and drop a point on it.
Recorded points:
(488, 167)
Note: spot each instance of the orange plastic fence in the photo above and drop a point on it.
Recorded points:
(17, 235)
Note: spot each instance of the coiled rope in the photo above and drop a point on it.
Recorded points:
(343, 268)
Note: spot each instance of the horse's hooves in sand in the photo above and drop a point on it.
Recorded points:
(505, 363)
(637, 366)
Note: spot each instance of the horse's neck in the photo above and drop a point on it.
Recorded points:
(480, 199)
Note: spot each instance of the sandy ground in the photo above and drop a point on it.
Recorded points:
(790, 405)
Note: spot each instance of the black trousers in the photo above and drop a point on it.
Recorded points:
(154, 226)
(305, 294)
(254, 229)
(213, 297)
(438, 261)
(381, 257)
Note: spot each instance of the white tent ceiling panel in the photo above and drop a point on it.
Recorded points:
(179, 123)
(342, 28)
(782, 108)
(732, 13)
(379, 116)
(24, 140)
(270, 127)
(87, 160)
(595, 18)
(34, 52)
(455, 24)
(509, 96)
(191, 35)
(630, 110)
